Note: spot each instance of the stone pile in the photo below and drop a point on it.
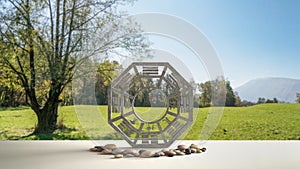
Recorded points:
(181, 150)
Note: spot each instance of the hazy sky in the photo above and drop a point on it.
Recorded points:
(253, 38)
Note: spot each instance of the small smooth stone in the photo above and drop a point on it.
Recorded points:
(118, 155)
(155, 155)
(106, 152)
(203, 149)
(161, 153)
(170, 153)
(181, 153)
(178, 152)
(182, 147)
(195, 146)
(146, 154)
(93, 149)
(198, 150)
(141, 151)
(129, 155)
(193, 150)
(117, 151)
(188, 151)
(99, 148)
(110, 146)
(131, 152)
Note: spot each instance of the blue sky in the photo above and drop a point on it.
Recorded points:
(253, 38)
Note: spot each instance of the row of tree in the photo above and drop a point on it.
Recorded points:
(212, 93)
(217, 92)
(262, 100)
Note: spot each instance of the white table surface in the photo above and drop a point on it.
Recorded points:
(219, 155)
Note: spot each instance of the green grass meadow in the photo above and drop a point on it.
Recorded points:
(259, 122)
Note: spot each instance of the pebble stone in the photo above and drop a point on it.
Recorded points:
(198, 150)
(118, 155)
(160, 153)
(188, 151)
(195, 146)
(193, 150)
(203, 149)
(156, 155)
(146, 154)
(178, 152)
(110, 146)
(129, 155)
(106, 152)
(117, 151)
(141, 151)
(111, 149)
(131, 152)
(97, 149)
(93, 149)
(182, 147)
(170, 153)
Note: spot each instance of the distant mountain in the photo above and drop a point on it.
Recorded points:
(284, 89)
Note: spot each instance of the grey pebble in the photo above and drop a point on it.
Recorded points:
(117, 151)
(146, 154)
(110, 146)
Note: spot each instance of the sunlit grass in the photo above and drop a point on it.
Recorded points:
(260, 122)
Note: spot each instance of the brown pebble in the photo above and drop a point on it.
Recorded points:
(106, 152)
(93, 149)
(182, 147)
(97, 149)
(170, 153)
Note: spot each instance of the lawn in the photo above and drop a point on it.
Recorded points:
(259, 122)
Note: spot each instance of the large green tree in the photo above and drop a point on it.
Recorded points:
(106, 72)
(216, 92)
(43, 42)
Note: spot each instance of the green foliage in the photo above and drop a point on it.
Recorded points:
(238, 101)
(106, 72)
(262, 100)
(11, 92)
(217, 92)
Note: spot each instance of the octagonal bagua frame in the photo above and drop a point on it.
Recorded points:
(178, 105)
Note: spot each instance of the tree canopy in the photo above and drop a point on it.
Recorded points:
(216, 92)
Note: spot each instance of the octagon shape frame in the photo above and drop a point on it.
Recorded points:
(158, 133)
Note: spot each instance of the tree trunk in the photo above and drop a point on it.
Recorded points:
(47, 116)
